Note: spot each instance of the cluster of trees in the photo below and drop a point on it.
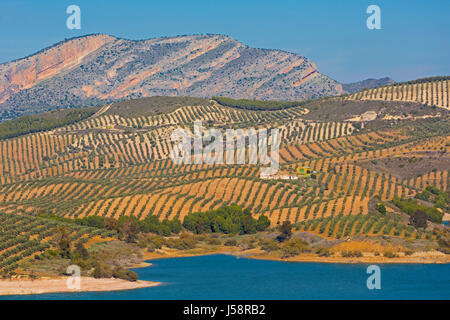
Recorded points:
(287, 245)
(127, 227)
(41, 122)
(411, 207)
(79, 255)
(105, 271)
(440, 198)
(381, 208)
(230, 220)
(256, 104)
(285, 231)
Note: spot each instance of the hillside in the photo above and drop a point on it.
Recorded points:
(116, 163)
(431, 92)
(95, 69)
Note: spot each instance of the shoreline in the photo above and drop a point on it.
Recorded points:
(355, 260)
(432, 257)
(59, 285)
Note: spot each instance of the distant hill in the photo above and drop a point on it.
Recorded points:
(368, 83)
(98, 68)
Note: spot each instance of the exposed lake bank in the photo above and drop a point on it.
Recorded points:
(435, 257)
(60, 284)
(226, 277)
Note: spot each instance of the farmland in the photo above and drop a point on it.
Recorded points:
(116, 163)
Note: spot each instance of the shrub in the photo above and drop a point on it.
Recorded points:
(248, 243)
(357, 254)
(409, 206)
(418, 219)
(102, 270)
(351, 254)
(121, 273)
(323, 252)
(389, 254)
(181, 244)
(285, 231)
(293, 247)
(269, 245)
(51, 253)
(80, 251)
(263, 223)
(444, 245)
(214, 241)
(381, 208)
(155, 242)
(111, 224)
(230, 243)
(129, 228)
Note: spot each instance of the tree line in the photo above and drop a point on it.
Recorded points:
(229, 219)
(256, 105)
(41, 122)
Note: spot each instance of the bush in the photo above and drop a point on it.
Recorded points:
(51, 253)
(230, 243)
(80, 251)
(285, 231)
(214, 241)
(323, 252)
(102, 270)
(229, 220)
(357, 254)
(111, 224)
(246, 244)
(129, 228)
(381, 208)
(444, 245)
(389, 254)
(351, 254)
(92, 221)
(181, 244)
(155, 242)
(270, 245)
(418, 219)
(263, 223)
(409, 206)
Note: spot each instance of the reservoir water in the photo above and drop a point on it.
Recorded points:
(229, 277)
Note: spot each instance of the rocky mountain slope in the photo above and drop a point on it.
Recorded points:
(85, 70)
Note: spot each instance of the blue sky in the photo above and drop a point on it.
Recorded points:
(413, 41)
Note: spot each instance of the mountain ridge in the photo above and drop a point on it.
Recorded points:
(369, 83)
(97, 68)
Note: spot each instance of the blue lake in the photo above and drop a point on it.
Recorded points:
(227, 277)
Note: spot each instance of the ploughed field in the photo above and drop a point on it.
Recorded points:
(112, 165)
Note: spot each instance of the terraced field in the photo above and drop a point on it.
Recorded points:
(22, 237)
(431, 93)
(112, 165)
